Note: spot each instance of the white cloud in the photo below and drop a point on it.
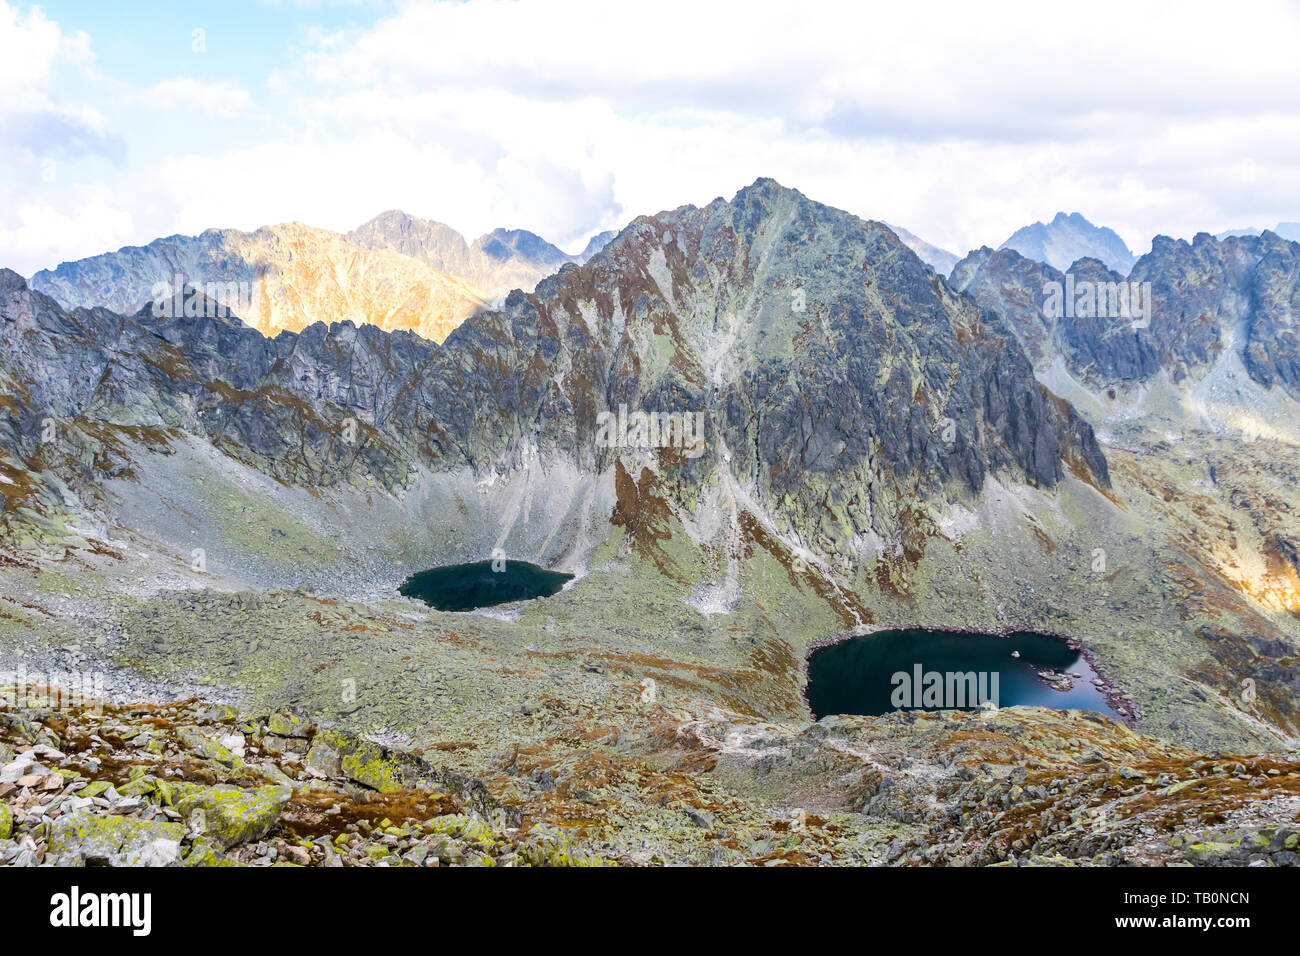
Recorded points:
(33, 124)
(30, 48)
(912, 70)
(43, 216)
(571, 116)
(962, 124)
(221, 100)
(87, 223)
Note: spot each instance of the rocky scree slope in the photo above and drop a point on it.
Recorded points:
(193, 784)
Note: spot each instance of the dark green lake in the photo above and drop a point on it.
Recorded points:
(464, 587)
(940, 670)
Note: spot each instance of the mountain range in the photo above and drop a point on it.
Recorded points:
(1287, 230)
(396, 271)
(400, 272)
(198, 505)
(671, 314)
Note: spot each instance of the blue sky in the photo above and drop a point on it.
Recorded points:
(135, 41)
(961, 122)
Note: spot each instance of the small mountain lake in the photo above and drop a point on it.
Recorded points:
(946, 670)
(466, 587)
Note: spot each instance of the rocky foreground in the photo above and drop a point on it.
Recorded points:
(188, 784)
(196, 784)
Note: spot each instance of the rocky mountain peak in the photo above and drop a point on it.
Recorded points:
(11, 282)
(597, 243)
(433, 243)
(825, 357)
(1068, 237)
(509, 244)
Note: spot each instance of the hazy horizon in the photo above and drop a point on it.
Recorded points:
(567, 119)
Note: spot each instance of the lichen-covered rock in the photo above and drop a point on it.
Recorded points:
(288, 725)
(204, 747)
(140, 785)
(554, 849)
(462, 828)
(335, 752)
(115, 841)
(168, 793)
(325, 756)
(368, 763)
(1209, 853)
(203, 853)
(6, 821)
(232, 815)
(275, 744)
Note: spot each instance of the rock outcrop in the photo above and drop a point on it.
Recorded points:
(1208, 298)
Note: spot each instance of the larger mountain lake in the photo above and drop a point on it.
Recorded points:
(945, 670)
(465, 587)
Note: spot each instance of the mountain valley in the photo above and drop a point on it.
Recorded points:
(221, 506)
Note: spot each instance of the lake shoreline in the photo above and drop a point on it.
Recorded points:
(472, 586)
(1126, 710)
